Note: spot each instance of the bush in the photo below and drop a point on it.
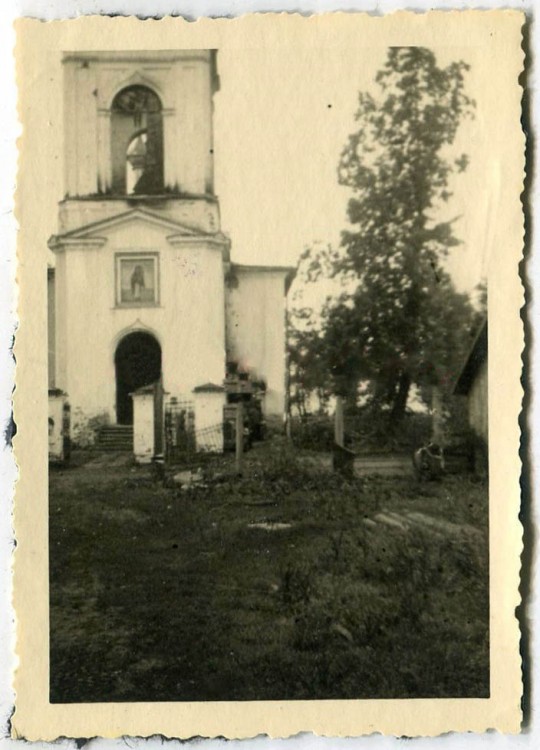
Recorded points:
(279, 470)
(313, 433)
(369, 430)
(84, 429)
(366, 430)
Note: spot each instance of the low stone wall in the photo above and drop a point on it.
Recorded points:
(59, 426)
(143, 426)
(209, 419)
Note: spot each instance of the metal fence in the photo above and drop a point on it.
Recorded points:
(210, 439)
(179, 428)
(182, 439)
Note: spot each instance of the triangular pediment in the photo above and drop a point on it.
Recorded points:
(100, 229)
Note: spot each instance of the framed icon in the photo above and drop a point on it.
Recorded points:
(137, 279)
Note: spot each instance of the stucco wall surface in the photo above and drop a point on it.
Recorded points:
(256, 330)
(478, 403)
(51, 326)
(208, 421)
(143, 427)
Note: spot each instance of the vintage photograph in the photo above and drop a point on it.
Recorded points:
(270, 270)
(268, 479)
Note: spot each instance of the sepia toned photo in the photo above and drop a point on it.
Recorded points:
(269, 284)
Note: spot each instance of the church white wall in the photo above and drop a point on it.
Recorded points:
(143, 427)
(256, 330)
(208, 416)
(80, 130)
(188, 321)
(60, 328)
(51, 326)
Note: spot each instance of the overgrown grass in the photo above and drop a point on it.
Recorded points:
(158, 593)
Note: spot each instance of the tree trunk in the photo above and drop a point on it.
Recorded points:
(398, 409)
(437, 426)
(339, 428)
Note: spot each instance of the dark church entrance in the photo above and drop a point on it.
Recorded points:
(138, 362)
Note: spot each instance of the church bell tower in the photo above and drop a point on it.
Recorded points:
(140, 258)
(138, 131)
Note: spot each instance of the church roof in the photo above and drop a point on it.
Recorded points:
(208, 388)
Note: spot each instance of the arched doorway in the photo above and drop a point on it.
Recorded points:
(137, 362)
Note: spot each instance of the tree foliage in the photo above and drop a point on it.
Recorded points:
(398, 320)
(309, 372)
(308, 368)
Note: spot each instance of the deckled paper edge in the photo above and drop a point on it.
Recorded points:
(36, 719)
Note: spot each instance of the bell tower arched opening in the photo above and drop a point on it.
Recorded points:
(137, 363)
(137, 142)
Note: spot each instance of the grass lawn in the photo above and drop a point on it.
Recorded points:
(375, 587)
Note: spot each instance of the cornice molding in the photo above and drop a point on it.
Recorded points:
(57, 243)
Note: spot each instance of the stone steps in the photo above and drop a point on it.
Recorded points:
(116, 438)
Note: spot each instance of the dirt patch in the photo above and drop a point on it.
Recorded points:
(270, 526)
(123, 515)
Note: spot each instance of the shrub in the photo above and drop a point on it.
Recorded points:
(84, 429)
(366, 430)
(313, 433)
(370, 430)
(280, 471)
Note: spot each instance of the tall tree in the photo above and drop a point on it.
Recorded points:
(389, 325)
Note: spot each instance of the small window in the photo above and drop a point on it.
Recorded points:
(136, 280)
